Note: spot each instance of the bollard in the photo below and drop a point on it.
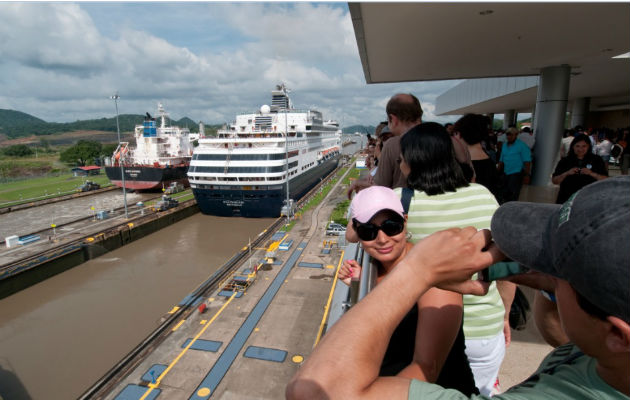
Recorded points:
(202, 308)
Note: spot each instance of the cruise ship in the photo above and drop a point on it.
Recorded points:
(161, 155)
(243, 171)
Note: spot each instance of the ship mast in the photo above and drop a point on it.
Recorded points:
(163, 115)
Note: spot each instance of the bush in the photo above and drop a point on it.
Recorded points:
(18, 150)
(339, 213)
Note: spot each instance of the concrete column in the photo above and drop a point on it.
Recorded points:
(533, 117)
(579, 111)
(508, 118)
(491, 119)
(551, 108)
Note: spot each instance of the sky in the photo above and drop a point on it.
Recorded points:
(62, 62)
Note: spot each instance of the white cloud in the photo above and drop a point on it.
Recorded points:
(60, 62)
(55, 36)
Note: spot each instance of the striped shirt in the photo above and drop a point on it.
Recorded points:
(468, 206)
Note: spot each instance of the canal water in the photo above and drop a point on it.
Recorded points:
(58, 337)
(61, 335)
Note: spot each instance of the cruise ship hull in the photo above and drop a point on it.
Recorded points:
(260, 203)
(147, 178)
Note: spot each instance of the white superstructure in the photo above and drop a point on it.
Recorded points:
(165, 145)
(250, 154)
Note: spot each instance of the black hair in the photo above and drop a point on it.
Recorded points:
(580, 138)
(473, 127)
(428, 151)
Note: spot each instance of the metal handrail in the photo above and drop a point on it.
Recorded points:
(368, 276)
(344, 296)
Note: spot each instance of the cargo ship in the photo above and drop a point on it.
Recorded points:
(161, 156)
(244, 170)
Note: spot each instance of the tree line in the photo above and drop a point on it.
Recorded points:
(16, 124)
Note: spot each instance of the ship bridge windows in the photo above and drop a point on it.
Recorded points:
(239, 170)
(238, 157)
(262, 122)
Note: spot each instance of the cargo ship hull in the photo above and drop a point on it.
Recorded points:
(147, 178)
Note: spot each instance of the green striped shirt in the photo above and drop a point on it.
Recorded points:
(469, 206)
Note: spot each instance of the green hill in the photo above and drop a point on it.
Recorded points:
(16, 124)
(11, 118)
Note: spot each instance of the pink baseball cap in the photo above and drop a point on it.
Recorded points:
(370, 201)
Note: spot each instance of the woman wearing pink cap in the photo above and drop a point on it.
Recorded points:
(429, 343)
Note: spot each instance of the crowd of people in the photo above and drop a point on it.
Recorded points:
(439, 205)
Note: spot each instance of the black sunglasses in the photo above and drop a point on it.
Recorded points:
(367, 231)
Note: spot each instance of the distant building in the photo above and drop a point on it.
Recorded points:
(87, 170)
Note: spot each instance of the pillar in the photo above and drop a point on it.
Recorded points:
(508, 118)
(579, 111)
(551, 107)
(533, 118)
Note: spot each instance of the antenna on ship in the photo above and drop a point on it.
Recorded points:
(163, 115)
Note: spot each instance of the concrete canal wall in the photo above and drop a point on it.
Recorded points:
(33, 270)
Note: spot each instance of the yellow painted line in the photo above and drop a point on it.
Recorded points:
(178, 325)
(330, 296)
(173, 310)
(176, 360)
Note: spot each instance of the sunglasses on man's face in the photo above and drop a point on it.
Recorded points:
(368, 231)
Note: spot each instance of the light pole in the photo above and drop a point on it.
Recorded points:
(120, 160)
(286, 154)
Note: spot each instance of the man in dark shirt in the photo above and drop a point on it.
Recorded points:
(403, 113)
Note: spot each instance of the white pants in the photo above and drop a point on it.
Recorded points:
(485, 357)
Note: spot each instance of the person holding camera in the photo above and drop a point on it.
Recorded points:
(578, 169)
(569, 252)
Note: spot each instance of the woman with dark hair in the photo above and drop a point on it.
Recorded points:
(428, 344)
(444, 199)
(578, 169)
(473, 129)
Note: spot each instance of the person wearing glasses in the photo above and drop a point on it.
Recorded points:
(442, 199)
(569, 250)
(428, 344)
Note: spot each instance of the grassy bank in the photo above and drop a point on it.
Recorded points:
(44, 187)
(12, 168)
(317, 198)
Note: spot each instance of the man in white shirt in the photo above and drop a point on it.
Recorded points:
(526, 136)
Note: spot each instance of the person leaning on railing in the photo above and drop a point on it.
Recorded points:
(570, 248)
(428, 344)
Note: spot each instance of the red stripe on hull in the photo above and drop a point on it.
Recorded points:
(139, 185)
